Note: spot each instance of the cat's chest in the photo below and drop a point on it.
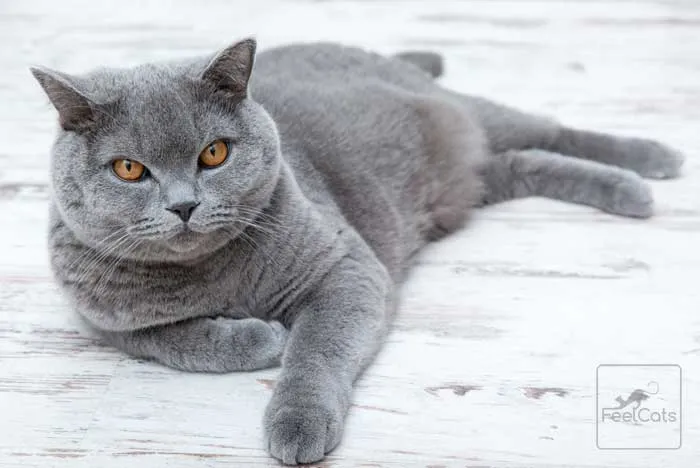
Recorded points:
(228, 284)
(127, 295)
(237, 282)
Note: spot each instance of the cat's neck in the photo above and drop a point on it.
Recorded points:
(290, 226)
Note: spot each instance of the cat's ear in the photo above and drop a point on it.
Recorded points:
(75, 111)
(230, 70)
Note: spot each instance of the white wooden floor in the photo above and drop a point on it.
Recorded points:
(493, 359)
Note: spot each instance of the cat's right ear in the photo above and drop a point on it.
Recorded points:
(75, 111)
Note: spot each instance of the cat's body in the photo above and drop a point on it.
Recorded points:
(409, 169)
(314, 229)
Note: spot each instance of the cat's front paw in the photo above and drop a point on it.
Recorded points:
(245, 344)
(301, 431)
(655, 160)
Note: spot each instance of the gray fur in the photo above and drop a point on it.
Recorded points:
(344, 165)
(526, 173)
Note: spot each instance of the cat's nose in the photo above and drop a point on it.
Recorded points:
(183, 210)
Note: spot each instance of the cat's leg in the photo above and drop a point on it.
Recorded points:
(206, 344)
(508, 128)
(335, 334)
(516, 174)
(647, 158)
(430, 62)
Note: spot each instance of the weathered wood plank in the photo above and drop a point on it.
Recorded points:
(492, 360)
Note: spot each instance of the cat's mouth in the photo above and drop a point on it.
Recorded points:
(183, 239)
(187, 238)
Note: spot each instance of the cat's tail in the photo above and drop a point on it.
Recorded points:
(430, 62)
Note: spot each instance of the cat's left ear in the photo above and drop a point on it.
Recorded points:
(230, 70)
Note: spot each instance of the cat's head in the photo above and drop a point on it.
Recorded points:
(167, 162)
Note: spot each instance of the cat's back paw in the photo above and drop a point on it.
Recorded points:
(657, 161)
(631, 197)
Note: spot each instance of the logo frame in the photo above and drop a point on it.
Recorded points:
(598, 407)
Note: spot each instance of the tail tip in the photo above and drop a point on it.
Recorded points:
(430, 62)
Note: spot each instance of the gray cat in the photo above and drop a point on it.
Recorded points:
(217, 225)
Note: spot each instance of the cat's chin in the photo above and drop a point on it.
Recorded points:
(186, 241)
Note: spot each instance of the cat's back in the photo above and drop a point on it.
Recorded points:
(328, 99)
(300, 65)
(342, 107)
(352, 114)
(334, 89)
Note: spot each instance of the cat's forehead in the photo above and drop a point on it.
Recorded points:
(141, 86)
(158, 109)
(158, 112)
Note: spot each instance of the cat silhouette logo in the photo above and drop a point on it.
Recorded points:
(634, 416)
(637, 396)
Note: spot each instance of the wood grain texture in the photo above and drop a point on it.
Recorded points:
(493, 357)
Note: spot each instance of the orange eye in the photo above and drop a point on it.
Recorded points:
(214, 154)
(127, 169)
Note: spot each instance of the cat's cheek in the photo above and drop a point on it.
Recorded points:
(121, 200)
(223, 186)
